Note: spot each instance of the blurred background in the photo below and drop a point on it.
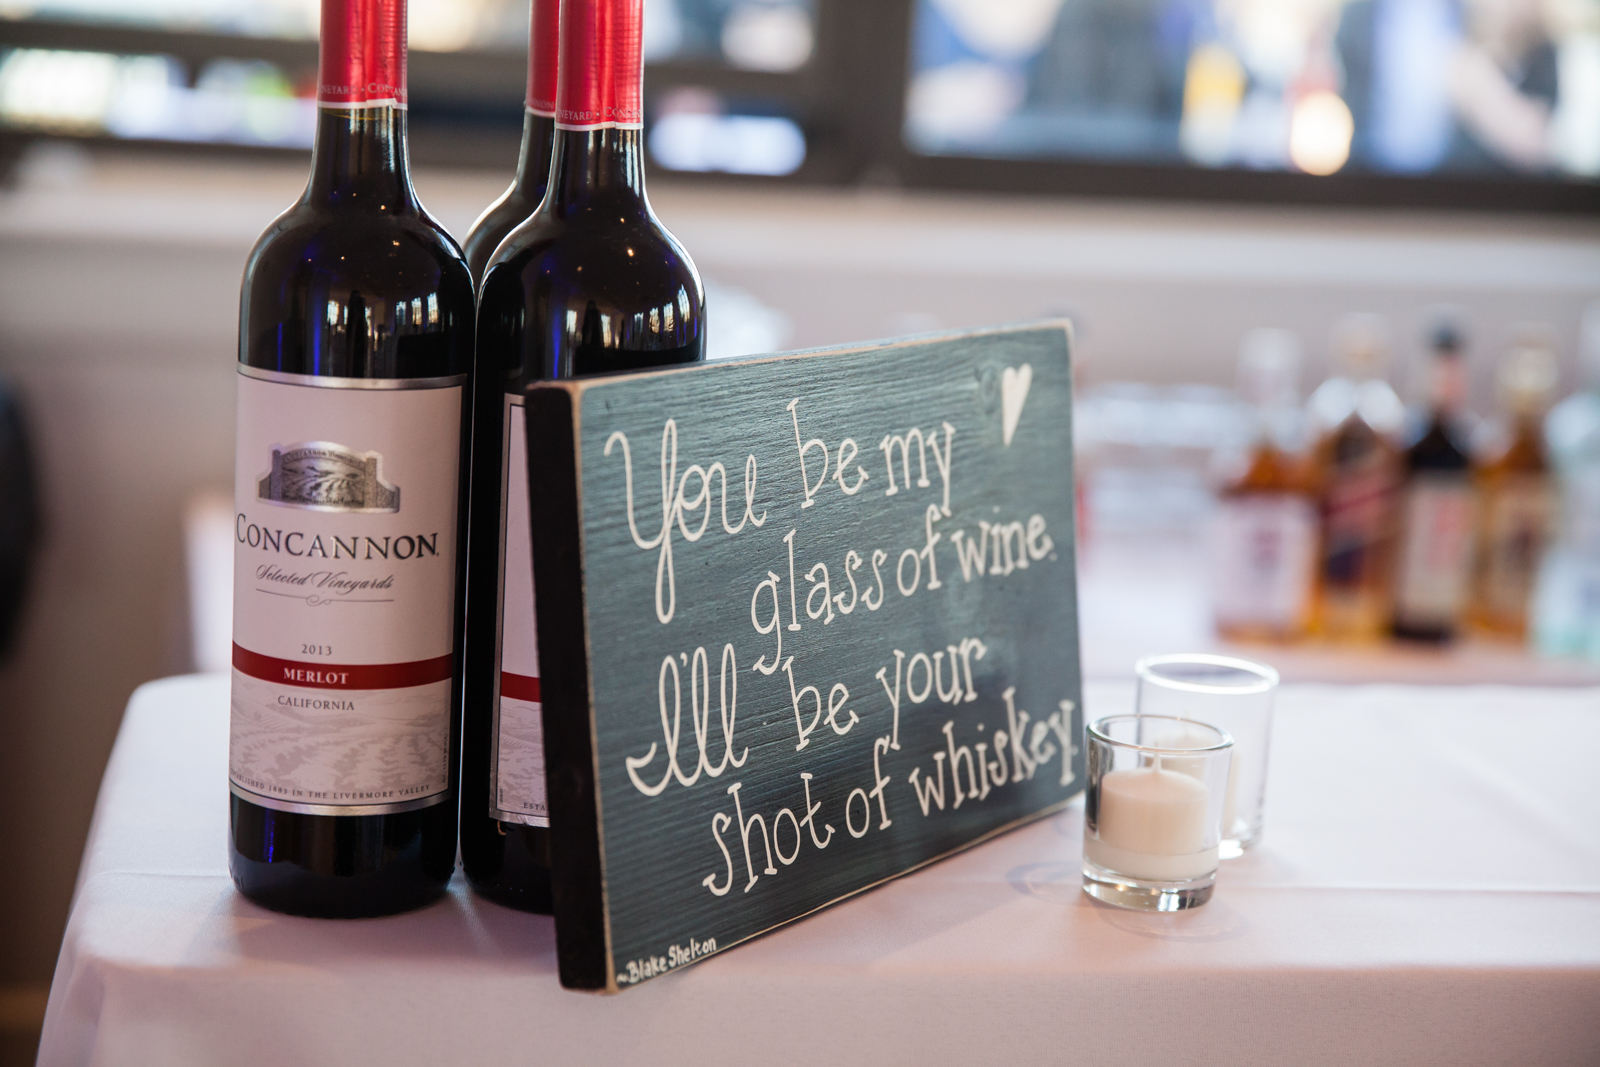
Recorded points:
(925, 92)
(1216, 192)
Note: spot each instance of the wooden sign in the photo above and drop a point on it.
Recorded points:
(806, 623)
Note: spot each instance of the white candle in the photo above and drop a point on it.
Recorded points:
(1151, 823)
(1196, 736)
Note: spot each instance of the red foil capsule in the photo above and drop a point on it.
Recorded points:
(363, 61)
(602, 65)
(544, 45)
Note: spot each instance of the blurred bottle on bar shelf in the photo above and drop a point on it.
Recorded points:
(1434, 568)
(355, 353)
(1357, 471)
(1515, 497)
(1263, 536)
(538, 141)
(1566, 603)
(591, 282)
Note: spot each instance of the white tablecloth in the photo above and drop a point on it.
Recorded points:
(1428, 892)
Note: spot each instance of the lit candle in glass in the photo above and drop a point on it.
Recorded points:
(1153, 813)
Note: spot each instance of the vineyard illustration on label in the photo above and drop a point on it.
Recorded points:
(323, 476)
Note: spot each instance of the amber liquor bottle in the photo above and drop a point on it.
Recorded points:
(1357, 472)
(1516, 500)
(1264, 536)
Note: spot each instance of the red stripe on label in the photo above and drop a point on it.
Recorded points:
(519, 686)
(342, 676)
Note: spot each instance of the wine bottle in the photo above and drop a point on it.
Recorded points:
(538, 140)
(1358, 475)
(591, 282)
(355, 356)
(1437, 512)
(1264, 534)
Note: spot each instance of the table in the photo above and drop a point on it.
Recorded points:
(1428, 891)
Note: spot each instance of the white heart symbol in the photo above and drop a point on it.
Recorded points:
(1014, 384)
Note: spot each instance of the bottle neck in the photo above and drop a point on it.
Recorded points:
(597, 171)
(360, 161)
(1280, 428)
(539, 101)
(533, 161)
(599, 158)
(1448, 390)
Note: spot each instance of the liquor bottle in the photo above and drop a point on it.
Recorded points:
(1566, 602)
(1264, 537)
(591, 282)
(1357, 472)
(538, 139)
(1437, 508)
(1515, 499)
(355, 356)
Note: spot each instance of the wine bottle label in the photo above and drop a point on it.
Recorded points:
(517, 776)
(544, 43)
(602, 71)
(1263, 549)
(1356, 522)
(1436, 553)
(362, 61)
(1517, 518)
(345, 500)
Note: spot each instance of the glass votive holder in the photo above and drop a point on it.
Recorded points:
(1235, 695)
(1153, 811)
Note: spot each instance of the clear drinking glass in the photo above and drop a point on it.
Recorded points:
(1153, 811)
(1235, 695)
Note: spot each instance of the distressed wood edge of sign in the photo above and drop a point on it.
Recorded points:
(937, 336)
(578, 878)
(579, 386)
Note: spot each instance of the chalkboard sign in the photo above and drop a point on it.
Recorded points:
(806, 622)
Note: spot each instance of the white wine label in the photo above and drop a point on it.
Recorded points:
(1436, 554)
(345, 499)
(1263, 554)
(517, 780)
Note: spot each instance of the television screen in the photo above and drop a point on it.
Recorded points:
(1458, 88)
